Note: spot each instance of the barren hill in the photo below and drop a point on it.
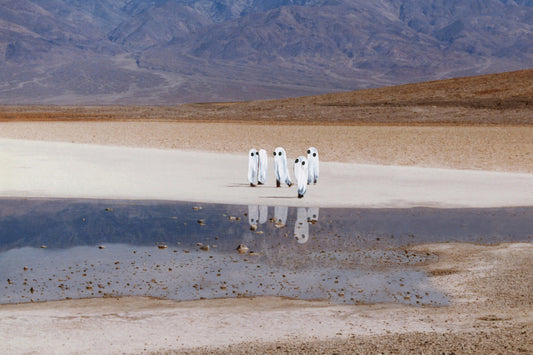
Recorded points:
(505, 98)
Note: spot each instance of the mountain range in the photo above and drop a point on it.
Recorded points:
(166, 52)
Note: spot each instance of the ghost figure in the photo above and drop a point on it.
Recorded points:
(281, 168)
(300, 173)
(312, 215)
(253, 216)
(263, 167)
(312, 158)
(301, 227)
(253, 161)
(280, 216)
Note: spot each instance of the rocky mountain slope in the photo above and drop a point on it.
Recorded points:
(173, 51)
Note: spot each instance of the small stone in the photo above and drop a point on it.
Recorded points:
(197, 208)
(253, 227)
(242, 249)
(101, 247)
(204, 247)
(9, 281)
(43, 246)
(109, 209)
(162, 246)
(25, 268)
(201, 222)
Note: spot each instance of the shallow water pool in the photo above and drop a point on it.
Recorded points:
(59, 249)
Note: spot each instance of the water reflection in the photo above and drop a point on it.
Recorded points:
(49, 249)
(280, 216)
(301, 227)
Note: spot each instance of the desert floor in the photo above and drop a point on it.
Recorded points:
(491, 286)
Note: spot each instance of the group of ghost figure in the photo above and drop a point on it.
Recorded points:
(306, 169)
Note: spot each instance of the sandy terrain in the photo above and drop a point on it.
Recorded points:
(490, 285)
(495, 148)
(491, 288)
(91, 171)
(479, 127)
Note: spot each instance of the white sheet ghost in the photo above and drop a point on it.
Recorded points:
(280, 216)
(301, 227)
(253, 161)
(253, 216)
(281, 169)
(263, 167)
(312, 159)
(300, 173)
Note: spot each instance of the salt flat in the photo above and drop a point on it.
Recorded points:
(70, 170)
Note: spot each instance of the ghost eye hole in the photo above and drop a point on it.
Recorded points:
(314, 154)
(274, 153)
(308, 151)
(303, 162)
(252, 154)
(296, 161)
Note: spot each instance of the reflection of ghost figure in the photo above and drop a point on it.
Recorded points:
(263, 167)
(281, 169)
(312, 160)
(253, 216)
(263, 214)
(301, 227)
(280, 216)
(300, 173)
(312, 214)
(253, 161)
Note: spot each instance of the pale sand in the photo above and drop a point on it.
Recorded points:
(491, 286)
(493, 148)
(52, 169)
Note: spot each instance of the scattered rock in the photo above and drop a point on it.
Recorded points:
(253, 227)
(197, 208)
(9, 282)
(162, 246)
(25, 268)
(242, 249)
(109, 209)
(201, 222)
(101, 247)
(204, 247)
(43, 247)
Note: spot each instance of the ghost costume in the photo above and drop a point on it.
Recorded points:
(312, 159)
(253, 161)
(301, 173)
(263, 167)
(301, 227)
(281, 169)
